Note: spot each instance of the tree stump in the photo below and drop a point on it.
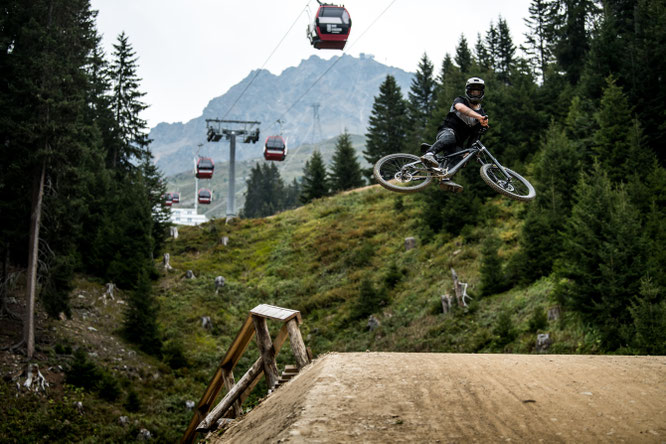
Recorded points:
(410, 243)
(543, 342)
(554, 313)
(219, 283)
(206, 322)
(447, 303)
(373, 322)
(174, 232)
(460, 289)
(224, 241)
(108, 293)
(189, 274)
(165, 261)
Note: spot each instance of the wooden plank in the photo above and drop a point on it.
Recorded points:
(266, 349)
(231, 397)
(239, 345)
(229, 361)
(297, 345)
(276, 313)
(254, 374)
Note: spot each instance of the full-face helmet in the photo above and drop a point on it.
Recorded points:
(475, 89)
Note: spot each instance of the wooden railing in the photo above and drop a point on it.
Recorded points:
(255, 325)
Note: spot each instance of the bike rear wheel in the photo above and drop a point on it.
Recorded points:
(515, 187)
(402, 173)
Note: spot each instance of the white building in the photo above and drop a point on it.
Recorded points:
(187, 216)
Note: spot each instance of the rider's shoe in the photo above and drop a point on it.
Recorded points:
(449, 185)
(425, 147)
(429, 160)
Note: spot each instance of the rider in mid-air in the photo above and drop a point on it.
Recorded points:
(463, 122)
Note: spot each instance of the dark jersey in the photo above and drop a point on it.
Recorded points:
(464, 126)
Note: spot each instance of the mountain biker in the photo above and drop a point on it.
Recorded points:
(463, 122)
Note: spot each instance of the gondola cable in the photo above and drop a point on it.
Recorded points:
(267, 60)
(327, 70)
(336, 61)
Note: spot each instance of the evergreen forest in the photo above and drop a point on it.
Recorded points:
(579, 110)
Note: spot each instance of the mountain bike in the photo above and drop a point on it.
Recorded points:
(406, 173)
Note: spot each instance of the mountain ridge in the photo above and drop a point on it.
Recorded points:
(343, 87)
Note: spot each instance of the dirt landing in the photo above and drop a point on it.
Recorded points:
(460, 398)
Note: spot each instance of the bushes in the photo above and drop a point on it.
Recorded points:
(504, 331)
(84, 373)
(369, 300)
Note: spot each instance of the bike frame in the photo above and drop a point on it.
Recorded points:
(479, 151)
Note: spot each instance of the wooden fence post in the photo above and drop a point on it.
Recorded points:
(229, 383)
(267, 351)
(297, 344)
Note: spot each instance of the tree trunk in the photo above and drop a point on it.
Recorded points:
(33, 253)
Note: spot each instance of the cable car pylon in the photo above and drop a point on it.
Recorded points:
(218, 128)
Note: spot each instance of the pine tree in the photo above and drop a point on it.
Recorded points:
(648, 313)
(140, 323)
(345, 171)
(613, 138)
(506, 51)
(127, 106)
(492, 47)
(45, 48)
(493, 280)
(603, 256)
(572, 35)
(315, 180)
(421, 103)
(387, 129)
(292, 195)
(483, 58)
(540, 237)
(540, 38)
(450, 83)
(154, 189)
(265, 193)
(463, 56)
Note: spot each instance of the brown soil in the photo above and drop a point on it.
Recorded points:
(459, 398)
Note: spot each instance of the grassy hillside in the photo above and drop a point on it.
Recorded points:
(317, 259)
(338, 260)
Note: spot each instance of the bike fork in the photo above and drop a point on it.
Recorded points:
(499, 165)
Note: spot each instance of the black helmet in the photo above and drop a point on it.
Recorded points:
(475, 89)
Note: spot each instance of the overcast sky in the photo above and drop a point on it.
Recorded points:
(190, 51)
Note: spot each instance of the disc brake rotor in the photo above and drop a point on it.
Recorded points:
(403, 176)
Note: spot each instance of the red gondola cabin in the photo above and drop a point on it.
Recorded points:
(175, 197)
(168, 199)
(205, 168)
(275, 148)
(205, 196)
(330, 28)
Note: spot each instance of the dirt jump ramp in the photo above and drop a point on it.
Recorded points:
(461, 398)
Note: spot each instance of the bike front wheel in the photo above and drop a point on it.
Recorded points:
(402, 173)
(515, 186)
